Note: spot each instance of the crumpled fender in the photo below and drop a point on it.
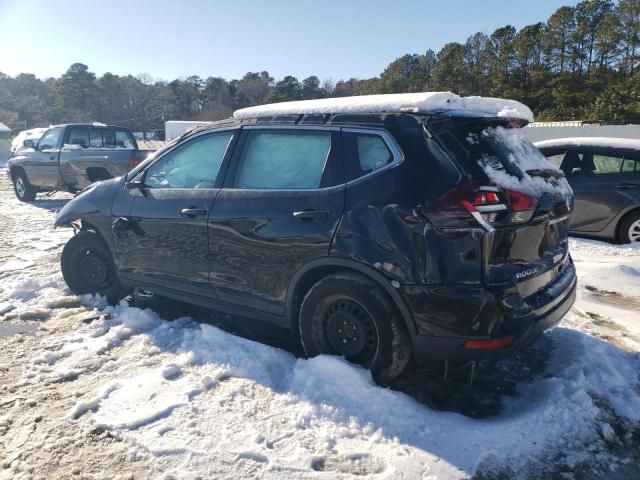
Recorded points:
(96, 199)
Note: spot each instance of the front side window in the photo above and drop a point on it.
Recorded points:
(51, 139)
(283, 160)
(195, 164)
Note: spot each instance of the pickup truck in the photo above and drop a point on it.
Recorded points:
(70, 157)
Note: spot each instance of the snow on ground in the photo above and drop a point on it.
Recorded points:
(100, 391)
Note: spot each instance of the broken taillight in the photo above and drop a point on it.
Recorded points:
(522, 206)
(488, 205)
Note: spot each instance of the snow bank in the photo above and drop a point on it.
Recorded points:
(611, 142)
(393, 103)
(181, 391)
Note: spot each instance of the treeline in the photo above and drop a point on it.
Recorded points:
(582, 63)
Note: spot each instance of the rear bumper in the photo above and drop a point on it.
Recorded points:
(539, 313)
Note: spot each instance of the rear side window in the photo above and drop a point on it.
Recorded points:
(602, 163)
(195, 164)
(79, 136)
(124, 140)
(283, 160)
(365, 153)
(629, 166)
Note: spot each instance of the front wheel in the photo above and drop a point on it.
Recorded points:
(630, 228)
(349, 315)
(87, 267)
(23, 189)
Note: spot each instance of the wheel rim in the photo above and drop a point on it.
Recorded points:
(20, 187)
(95, 269)
(634, 231)
(350, 330)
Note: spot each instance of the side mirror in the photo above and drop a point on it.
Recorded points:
(137, 184)
(29, 144)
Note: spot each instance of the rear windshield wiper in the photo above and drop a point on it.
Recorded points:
(545, 173)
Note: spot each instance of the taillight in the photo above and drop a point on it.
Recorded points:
(483, 203)
(134, 162)
(488, 205)
(522, 206)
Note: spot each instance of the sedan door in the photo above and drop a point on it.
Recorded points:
(599, 190)
(163, 240)
(282, 201)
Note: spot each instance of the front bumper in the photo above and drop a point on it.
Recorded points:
(491, 319)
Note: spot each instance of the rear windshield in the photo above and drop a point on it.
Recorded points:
(504, 156)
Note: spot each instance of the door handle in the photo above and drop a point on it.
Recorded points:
(304, 214)
(193, 212)
(52, 157)
(625, 185)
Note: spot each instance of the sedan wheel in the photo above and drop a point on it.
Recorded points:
(634, 231)
(630, 228)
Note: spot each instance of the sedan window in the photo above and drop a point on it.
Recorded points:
(195, 164)
(283, 160)
(630, 165)
(603, 163)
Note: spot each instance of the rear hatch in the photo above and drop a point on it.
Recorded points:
(519, 198)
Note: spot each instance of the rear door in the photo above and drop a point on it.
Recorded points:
(163, 240)
(279, 208)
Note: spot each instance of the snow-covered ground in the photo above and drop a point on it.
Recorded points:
(93, 391)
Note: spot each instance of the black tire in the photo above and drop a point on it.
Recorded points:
(87, 267)
(22, 188)
(630, 228)
(347, 302)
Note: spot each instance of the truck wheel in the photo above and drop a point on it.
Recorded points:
(87, 267)
(346, 314)
(630, 229)
(24, 191)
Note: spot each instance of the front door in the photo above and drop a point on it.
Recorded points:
(163, 240)
(42, 165)
(279, 208)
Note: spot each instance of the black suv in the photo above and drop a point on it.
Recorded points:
(376, 236)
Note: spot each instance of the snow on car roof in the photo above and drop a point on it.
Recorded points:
(610, 142)
(393, 103)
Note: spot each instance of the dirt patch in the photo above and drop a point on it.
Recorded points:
(614, 298)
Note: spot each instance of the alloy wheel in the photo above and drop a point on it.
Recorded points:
(634, 231)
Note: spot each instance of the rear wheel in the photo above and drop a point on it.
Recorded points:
(87, 267)
(630, 228)
(23, 189)
(347, 314)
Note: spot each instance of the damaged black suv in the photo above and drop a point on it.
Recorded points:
(379, 232)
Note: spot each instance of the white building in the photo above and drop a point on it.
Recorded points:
(5, 144)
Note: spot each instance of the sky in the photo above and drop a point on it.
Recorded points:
(170, 39)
